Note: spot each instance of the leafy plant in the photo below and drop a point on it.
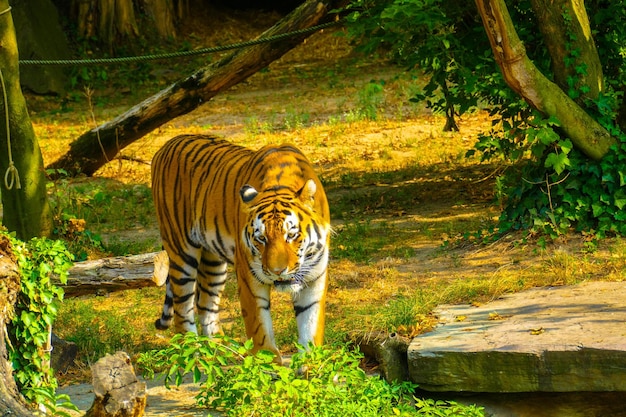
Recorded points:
(370, 99)
(36, 308)
(438, 408)
(326, 379)
(562, 190)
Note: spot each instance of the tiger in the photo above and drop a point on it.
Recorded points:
(264, 212)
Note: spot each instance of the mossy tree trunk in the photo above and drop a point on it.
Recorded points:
(526, 80)
(96, 147)
(565, 28)
(25, 208)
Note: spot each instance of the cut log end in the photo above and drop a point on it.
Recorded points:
(117, 391)
(389, 350)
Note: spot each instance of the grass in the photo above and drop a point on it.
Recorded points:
(412, 217)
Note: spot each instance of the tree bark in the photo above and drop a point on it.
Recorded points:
(120, 273)
(526, 80)
(106, 20)
(26, 209)
(164, 16)
(564, 25)
(86, 153)
(11, 402)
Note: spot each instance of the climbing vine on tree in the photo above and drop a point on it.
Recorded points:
(39, 261)
(552, 185)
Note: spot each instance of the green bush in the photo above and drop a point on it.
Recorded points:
(325, 381)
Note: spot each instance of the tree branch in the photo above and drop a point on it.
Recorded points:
(526, 80)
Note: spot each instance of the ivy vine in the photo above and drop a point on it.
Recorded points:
(41, 261)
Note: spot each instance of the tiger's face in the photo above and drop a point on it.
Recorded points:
(287, 247)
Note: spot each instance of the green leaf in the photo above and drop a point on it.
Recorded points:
(557, 161)
(597, 209)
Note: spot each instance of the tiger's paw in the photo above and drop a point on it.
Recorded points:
(160, 326)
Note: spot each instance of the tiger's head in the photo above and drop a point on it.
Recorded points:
(285, 239)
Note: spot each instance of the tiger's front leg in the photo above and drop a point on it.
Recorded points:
(209, 286)
(255, 309)
(309, 305)
(179, 304)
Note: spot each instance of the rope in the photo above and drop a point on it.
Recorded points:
(209, 50)
(12, 176)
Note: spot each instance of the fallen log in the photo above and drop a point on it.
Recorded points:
(102, 276)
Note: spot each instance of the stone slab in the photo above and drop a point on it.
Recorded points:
(554, 339)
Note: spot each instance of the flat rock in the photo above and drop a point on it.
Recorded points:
(553, 339)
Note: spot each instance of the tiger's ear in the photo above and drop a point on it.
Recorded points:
(307, 193)
(248, 193)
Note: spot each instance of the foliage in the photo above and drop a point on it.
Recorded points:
(576, 194)
(370, 98)
(445, 41)
(70, 207)
(36, 308)
(560, 190)
(325, 379)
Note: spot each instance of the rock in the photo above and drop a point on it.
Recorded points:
(63, 354)
(560, 339)
(40, 36)
(118, 392)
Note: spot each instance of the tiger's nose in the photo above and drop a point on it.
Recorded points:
(280, 270)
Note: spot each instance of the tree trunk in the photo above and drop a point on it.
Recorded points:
(11, 402)
(26, 209)
(40, 36)
(526, 80)
(163, 14)
(106, 20)
(86, 155)
(566, 32)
